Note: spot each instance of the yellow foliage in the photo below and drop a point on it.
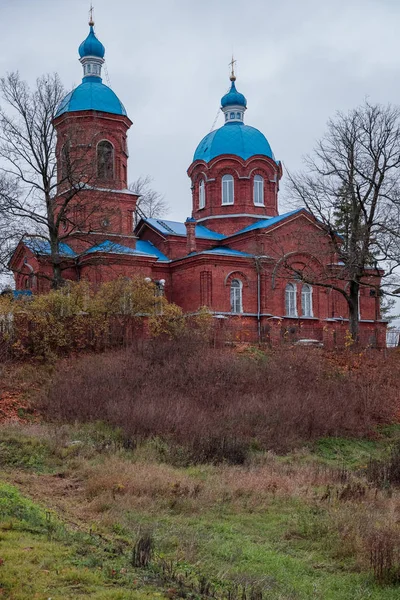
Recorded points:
(76, 317)
(170, 322)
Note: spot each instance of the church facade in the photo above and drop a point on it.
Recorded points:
(235, 254)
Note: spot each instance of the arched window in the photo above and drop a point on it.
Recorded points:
(258, 191)
(306, 301)
(202, 194)
(65, 162)
(290, 300)
(105, 160)
(227, 189)
(236, 296)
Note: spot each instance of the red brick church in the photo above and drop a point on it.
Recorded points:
(235, 254)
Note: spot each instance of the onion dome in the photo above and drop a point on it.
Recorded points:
(234, 137)
(91, 46)
(233, 97)
(91, 94)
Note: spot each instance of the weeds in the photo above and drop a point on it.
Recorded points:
(216, 406)
(143, 550)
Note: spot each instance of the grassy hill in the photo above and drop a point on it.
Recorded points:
(90, 511)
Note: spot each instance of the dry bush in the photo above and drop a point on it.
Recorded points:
(217, 405)
(386, 472)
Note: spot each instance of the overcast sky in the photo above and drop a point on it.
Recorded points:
(167, 60)
(298, 62)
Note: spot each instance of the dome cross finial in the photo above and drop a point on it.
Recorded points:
(232, 65)
(91, 18)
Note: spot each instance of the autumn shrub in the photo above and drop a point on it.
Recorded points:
(218, 405)
(78, 317)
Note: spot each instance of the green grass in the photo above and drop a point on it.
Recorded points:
(355, 453)
(287, 545)
(43, 559)
(287, 548)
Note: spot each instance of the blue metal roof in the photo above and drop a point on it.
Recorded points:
(225, 251)
(21, 294)
(233, 98)
(177, 228)
(264, 223)
(42, 247)
(91, 46)
(91, 94)
(143, 248)
(233, 138)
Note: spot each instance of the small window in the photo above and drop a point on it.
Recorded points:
(232, 115)
(258, 191)
(306, 301)
(290, 300)
(238, 116)
(105, 160)
(202, 194)
(236, 296)
(227, 190)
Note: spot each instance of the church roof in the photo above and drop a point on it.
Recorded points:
(42, 247)
(233, 138)
(91, 94)
(225, 251)
(143, 248)
(268, 222)
(177, 228)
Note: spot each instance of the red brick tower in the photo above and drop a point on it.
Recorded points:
(92, 156)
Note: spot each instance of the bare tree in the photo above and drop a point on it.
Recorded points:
(150, 204)
(28, 169)
(351, 185)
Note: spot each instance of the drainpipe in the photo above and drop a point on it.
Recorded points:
(258, 269)
(259, 307)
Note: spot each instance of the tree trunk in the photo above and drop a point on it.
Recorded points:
(57, 280)
(354, 311)
(57, 275)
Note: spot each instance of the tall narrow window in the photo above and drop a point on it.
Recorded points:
(306, 301)
(105, 160)
(227, 189)
(236, 296)
(202, 194)
(65, 162)
(290, 300)
(258, 191)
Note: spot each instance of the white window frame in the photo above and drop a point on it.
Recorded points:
(236, 296)
(202, 194)
(228, 190)
(258, 190)
(307, 301)
(291, 300)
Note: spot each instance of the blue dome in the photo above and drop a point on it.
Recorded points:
(233, 97)
(233, 138)
(91, 95)
(91, 46)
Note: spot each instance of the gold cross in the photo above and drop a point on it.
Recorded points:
(232, 65)
(91, 21)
